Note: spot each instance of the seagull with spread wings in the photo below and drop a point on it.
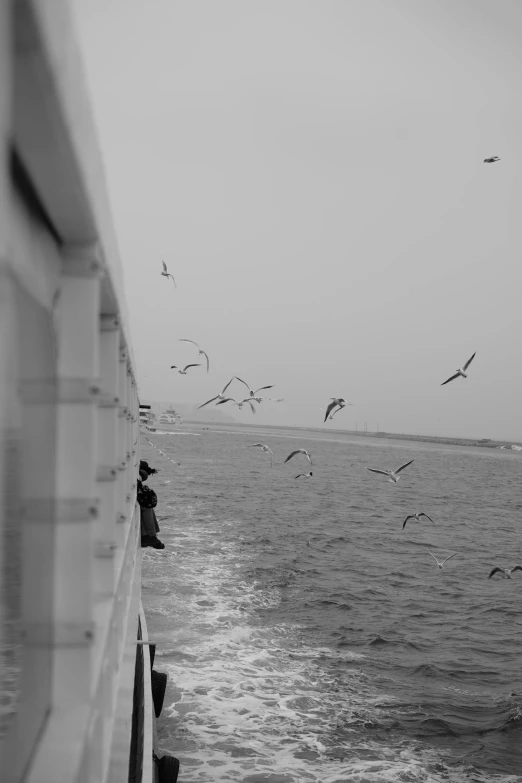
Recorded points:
(337, 403)
(416, 517)
(460, 373)
(220, 396)
(337, 410)
(266, 450)
(439, 562)
(253, 392)
(201, 353)
(505, 571)
(304, 475)
(184, 370)
(392, 474)
(300, 451)
(166, 273)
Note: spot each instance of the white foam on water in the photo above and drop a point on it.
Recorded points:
(252, 703)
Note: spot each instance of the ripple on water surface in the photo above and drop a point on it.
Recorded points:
(288, 661)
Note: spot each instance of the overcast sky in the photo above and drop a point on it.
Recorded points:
(312, 174)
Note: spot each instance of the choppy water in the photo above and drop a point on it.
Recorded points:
(307, 637)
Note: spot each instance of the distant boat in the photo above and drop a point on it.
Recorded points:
(170, 416)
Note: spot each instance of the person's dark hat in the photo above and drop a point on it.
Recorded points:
(145, 466)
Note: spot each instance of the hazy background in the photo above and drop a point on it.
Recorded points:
(312, 174)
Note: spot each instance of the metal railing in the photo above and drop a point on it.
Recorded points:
(69, 424)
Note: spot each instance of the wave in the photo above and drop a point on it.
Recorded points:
(435, 727)
(427, 670)
(329, 673)
(379, 641)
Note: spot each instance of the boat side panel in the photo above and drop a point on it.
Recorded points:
(31, 436)
(121, 740)
(75, 411)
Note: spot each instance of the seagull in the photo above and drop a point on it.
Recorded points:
(165, 273)
(184, 370)
(460, 372)
(201, 353)
(392, 474)
(266, 450)
(340, 409)
(300, 451)
(253, 393)
(336, 411)
(506, 571)
(220, 396)
(304, 475)
(493, 159)
(331, 415)
(336, 401)
(439, 563)
(417, 517)
(239, 403)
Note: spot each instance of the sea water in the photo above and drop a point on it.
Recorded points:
(307, 636)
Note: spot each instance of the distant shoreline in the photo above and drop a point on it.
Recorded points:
(441, 440)
(486, 443)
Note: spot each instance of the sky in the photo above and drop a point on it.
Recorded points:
(312, 173)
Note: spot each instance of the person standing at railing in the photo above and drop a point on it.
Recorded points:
(144, 465)
(147, 499)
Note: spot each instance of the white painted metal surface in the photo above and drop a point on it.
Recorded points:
(149, 725)
(69, 423)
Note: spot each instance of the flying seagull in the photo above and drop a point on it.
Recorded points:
(220, 396)
(331, 415)
(460, 372)
(338, 409)
(184, 370)
(441, 563)
(337, 402)
(266, 450)
(304, 475)
(201, 353)
(300, 451)
(506, 571)
(493, 159)
(251, 392)
(392, 474)
(166, 273)
(417, 517)
(239, 403)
